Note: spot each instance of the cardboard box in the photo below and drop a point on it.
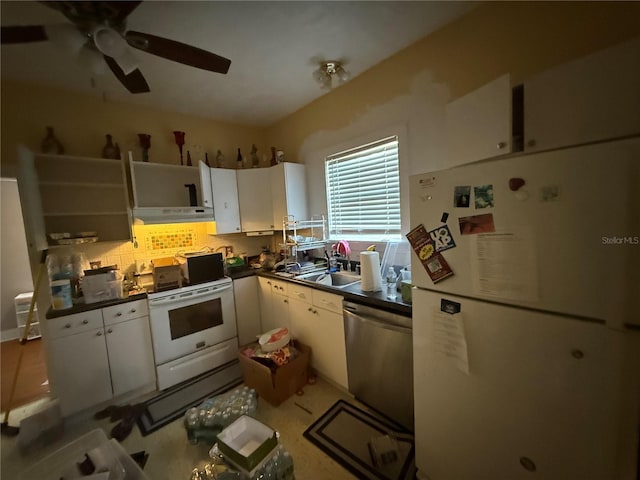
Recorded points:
(276, 387)
(247, 442)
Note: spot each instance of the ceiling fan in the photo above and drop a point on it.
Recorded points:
(100, 27)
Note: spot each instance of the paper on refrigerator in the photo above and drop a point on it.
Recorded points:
(447, 338)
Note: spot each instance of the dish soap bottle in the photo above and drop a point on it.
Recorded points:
(392, 278)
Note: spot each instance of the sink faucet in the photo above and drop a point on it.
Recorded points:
(287, 267)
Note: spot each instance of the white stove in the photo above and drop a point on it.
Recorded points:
(193, 330)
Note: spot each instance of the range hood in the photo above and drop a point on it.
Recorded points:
(156, 215)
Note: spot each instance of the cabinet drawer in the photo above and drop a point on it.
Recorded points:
(299, 292)
(125, 311)
(328, 301)
(280, 288)
(76, 323)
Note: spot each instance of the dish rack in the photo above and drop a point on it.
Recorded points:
(300, 236)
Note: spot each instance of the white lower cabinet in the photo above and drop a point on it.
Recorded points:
(130, 355)
(79, 372)
(274, 304)
(100, 354)
(317, 321)
(246, 295)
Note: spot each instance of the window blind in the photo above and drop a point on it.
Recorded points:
(363, 190)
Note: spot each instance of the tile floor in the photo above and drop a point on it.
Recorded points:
(172, 457)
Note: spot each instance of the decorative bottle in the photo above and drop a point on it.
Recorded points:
(109, 150)
(255, 161)
(274, 161)
(189, 164)
(219, 159)
(51, 144)
(206, 159)
(239, 159)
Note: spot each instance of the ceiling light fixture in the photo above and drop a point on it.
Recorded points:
(327, 70)
(111, 43)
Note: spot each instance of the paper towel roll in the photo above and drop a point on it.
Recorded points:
(371, 280)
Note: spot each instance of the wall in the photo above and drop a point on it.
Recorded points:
(411, 88)
(81, 122)
(14, 261)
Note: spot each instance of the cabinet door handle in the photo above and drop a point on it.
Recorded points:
(119, 314)
(99, 334)
(501, 145)
(310, 309)
(68, 325)
(531, 143)
(85, 321)
(286, 301)
(133, 310)
(110, 330)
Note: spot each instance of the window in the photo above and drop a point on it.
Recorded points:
(363, 191)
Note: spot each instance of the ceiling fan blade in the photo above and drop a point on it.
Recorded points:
(134, 82)
(23, 34)
(83, 12)
(178, 52)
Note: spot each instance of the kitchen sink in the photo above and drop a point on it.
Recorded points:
(335, 279)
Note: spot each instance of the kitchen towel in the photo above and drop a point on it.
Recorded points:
(370, 272)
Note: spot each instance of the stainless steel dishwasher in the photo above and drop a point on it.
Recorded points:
(380, 360)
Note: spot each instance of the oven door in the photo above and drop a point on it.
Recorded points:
(187, 322)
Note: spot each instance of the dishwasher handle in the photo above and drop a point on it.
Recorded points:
(375, 322)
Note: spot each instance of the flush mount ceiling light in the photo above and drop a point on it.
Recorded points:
(327, 70)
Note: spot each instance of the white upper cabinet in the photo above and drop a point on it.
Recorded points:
(289, 192)
(67, 194)
(226, 207)
(596, 97)
(254, 194)
(206, 184)
(479, 123)
(164, 185)
(163, 193)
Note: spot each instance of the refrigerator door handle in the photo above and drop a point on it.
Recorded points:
(376, 323)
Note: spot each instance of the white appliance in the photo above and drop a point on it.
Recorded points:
(526, 359)
(193, 330)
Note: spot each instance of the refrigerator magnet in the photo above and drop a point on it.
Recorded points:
(442, 238)
(461, 196)
(476, 224)
(444, 217)
(449, 306)
(421, 243)
(438, 268)
(483, 195)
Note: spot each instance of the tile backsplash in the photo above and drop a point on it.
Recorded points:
(156, 241)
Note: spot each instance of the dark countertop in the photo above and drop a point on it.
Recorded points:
(351, 293)
(85, 307)
(240, 272)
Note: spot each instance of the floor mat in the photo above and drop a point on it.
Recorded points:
(346, 433)
(173, 402)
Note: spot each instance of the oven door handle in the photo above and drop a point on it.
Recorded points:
(187, 296)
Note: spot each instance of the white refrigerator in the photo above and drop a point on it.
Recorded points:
(526, 316)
